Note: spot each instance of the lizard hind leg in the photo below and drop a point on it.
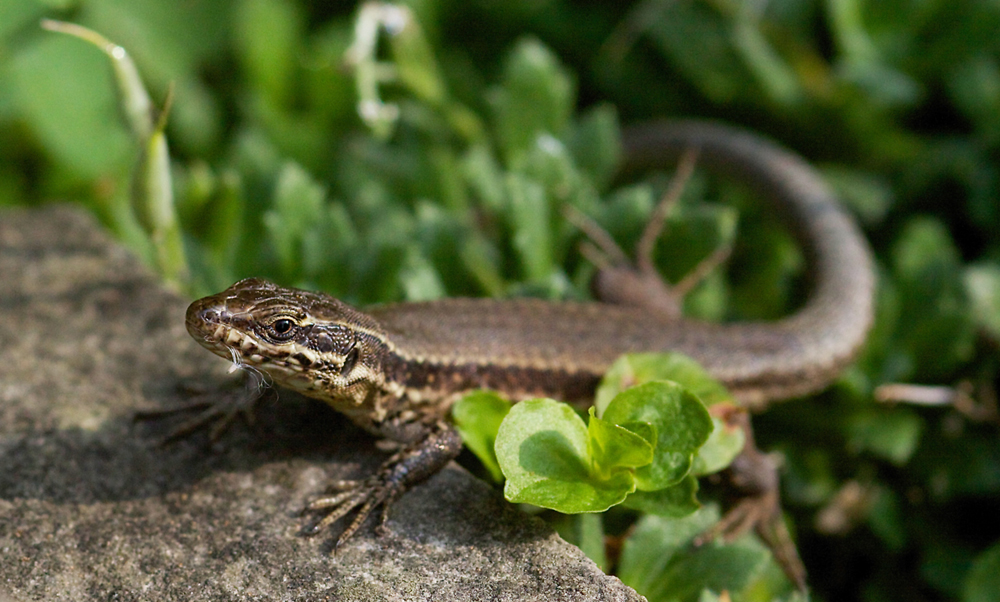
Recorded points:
(754, 480)
(622, 281)
(753, 485)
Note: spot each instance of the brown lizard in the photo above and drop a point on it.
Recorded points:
(396, 369)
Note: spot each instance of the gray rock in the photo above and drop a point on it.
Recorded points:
(92, 508)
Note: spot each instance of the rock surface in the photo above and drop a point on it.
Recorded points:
(92, 508)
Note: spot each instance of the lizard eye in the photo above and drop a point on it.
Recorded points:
(282, 329)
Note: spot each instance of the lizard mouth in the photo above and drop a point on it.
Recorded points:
(210, 323)
(217, 328)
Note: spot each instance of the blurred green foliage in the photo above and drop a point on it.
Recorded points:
(482, 119)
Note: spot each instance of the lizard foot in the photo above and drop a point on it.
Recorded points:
(404, 469)
(215, 410)
(754, 484)
(637, 283)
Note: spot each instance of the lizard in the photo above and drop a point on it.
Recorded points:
(396, 369)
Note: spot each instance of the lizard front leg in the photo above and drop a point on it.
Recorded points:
(411, 465)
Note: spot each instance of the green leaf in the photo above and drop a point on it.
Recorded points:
(983, 580)
(886, 518)
(636, 368)
(419, 278)
(571, 497)
(298, 207)
(892, 435)
(652, 561)
(536, 96)
(770, 263)
(611, 446)
(647, 438)
(542, 449)
(710, 596)
(935, 328)
(982, 281)
(548, 162)
(718, 568)
(132, 96)
(676, 501)
(590, 527)
(681, 423)
(153, 203)
(531, 225)
(481, 260)
(723, 445)
(16, 16)
(654, 543)
(712, 64)
(267, 34)
(868, 195)
(65, 97)
(478, 417)
(216, 207)
(775, 76)
(596, 144)
(414, 59)
(484, 176)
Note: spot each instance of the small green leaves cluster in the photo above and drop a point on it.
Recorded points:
(658, 560)
(643, 443)
(551, 458)
(657, 425)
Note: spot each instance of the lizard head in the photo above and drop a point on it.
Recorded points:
(305, 341)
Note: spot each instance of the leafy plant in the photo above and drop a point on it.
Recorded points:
(644, 443)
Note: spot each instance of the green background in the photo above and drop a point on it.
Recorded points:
(897, 102)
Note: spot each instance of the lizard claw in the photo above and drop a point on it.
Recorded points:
(403, 470)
